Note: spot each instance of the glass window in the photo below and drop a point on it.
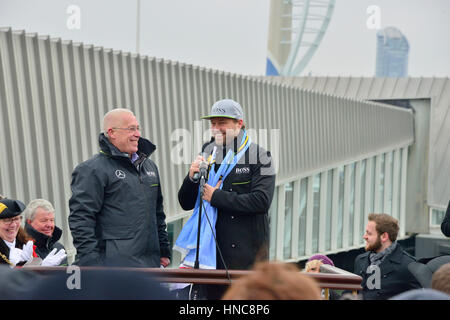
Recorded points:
(302, 214)
(351, 205)
(288, 207)
(273, 224)
(380, 186)
(399, 184)
(362, 221)
(372, 182)
(170, 233)
(316, 213)
(437, 216)
(341, 206)
(173, 230)
(329, 210)
(388, 184)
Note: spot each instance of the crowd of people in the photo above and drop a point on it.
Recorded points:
(37, 243)
(117, 214)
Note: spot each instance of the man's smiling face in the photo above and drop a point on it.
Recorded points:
(225, 130)
(125, 133)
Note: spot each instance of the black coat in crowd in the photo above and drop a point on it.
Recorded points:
(395, 276)
(45, 244)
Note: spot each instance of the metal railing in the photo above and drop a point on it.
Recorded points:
(339, 280)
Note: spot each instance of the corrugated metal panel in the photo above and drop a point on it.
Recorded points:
(53, 95)
(438, 89)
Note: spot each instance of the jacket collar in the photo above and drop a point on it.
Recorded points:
(392, 260)
(389, 264)
(145, 147)
(42, 239)
(364, 261)
(4, 249)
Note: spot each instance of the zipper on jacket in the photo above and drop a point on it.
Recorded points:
(140, 170)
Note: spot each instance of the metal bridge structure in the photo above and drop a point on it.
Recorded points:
(338, 157)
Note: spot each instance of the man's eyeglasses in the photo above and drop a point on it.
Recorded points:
(131, 129)
(9, 221)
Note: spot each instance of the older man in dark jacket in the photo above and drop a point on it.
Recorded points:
(116, 208)
(40, 225)
(384, 267)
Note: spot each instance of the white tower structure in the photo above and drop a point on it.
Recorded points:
(296, 29)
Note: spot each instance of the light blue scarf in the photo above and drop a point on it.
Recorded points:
(186, 242)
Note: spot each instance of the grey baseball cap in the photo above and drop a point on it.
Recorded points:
(226, 108)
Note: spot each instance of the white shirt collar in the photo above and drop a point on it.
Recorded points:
(11, 245)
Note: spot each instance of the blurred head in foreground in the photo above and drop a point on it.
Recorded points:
(274, 281)
(441, 279)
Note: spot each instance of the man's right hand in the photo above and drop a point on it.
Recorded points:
(195, 166)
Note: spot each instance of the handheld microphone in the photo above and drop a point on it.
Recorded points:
(202, 173)
(203, 169)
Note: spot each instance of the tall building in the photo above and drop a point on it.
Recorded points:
(392, 53)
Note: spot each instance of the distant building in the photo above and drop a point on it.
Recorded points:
(392, 53)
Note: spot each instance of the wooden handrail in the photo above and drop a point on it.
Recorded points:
(326, 268)
(220, 277)
(354, 281)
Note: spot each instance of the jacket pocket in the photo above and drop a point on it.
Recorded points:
(240, 187)
(117, 232)
(240, 183)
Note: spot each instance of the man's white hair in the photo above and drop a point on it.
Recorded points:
(30, 210)
(110, 118)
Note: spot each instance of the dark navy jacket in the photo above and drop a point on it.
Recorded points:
(395, 277)
(45, 244)
(116, 208)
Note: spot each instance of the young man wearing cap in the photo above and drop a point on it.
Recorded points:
(116, 208)
(243, 193)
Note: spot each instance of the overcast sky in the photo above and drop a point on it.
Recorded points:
(231, 35)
